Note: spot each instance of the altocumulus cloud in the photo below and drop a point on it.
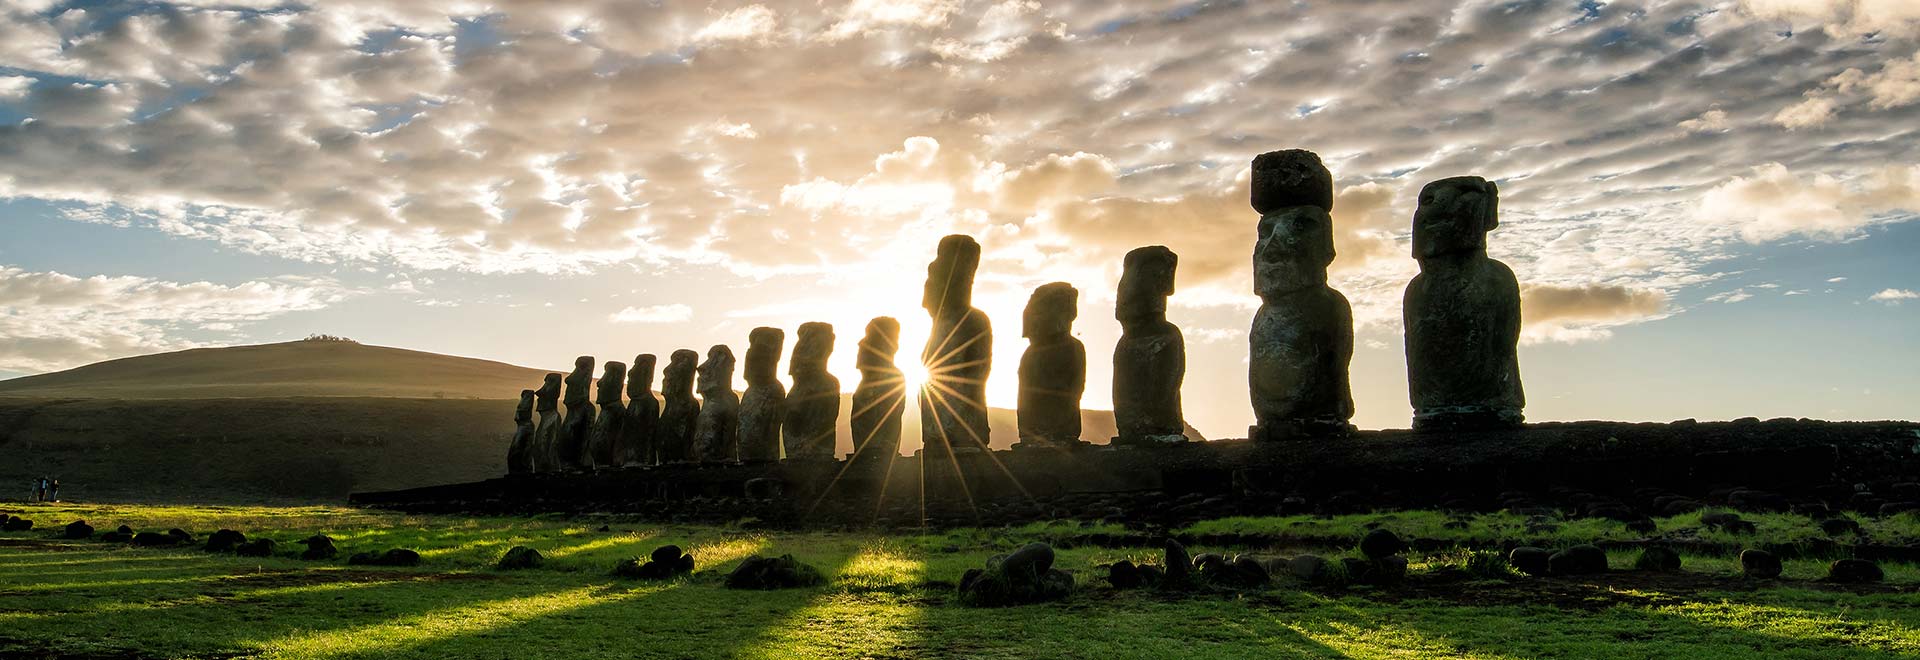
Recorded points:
(793, 138)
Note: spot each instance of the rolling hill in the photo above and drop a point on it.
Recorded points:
(300, 421)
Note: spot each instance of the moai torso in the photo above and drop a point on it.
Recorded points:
(716, 437)
(604, 442)
(1150, 360)
(680, 412)
(1301, 342)
(546, 435)
(579, 402)
(520, 451)
(1462, 313)
(813, 407)
(643, 415)
(880, 399)
(1053, 370)
(959, 353)
(764, 405)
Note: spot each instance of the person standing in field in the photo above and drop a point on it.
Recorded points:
(53, 490)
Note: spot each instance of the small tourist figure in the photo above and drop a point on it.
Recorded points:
(53, 490)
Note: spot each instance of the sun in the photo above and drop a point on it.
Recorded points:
(913, 374)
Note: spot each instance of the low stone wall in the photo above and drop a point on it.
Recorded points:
(1586, 466)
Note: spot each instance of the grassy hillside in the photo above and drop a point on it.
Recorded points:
(298, 368)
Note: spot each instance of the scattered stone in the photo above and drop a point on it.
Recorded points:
(664, 562)
(1642, 525)
(1178, 565)
(1838, 526)
(1390, 570)
(1756, 563)
(1854, 571)
(1531, 560)
(225, 540)
(1023, 577)
(16, 524)
(76, 530)
(1310, 568)
(1461, 313)
(782, 572)
(520, 557)
(1719, 519)
(392, 557)
(117, 537)
(1583, 559)
(1124, 575)
(155, 540)
(319, 547)
(1380, 544)
(256, 548)
(1657, 558)
(1053, 370)
(1150, 359)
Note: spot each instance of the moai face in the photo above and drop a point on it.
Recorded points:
(1294, 177)
(583, 364)
(880, 345)
(1051, 311)
(1454, 217)
(1295, 247)
(640, 377)
(812, 348)
(612, 383)
(525, 409)
(949, 286)
(678, 376)
(1145, 283)
(550, 388)
(763, 355)
(716, 374)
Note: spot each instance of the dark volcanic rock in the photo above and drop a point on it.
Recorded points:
(578, 399)
(76, 530)
(1178, 566)
(716, 436)
(1380, 544)
(1302, 337)
(1756, 563)
(319, 546)
(393, 557)
(225, 540)
(643, 414)
(1053, 370)
(1023, 577)
(813, 406)
(763, 406)
(1584, 559)
(1854, 571)
(16, 524)
(680, 413)
(1124, 575)
(959, 353)
(520, 449)
(1838, 526)
(520, 557)
(1658, 558)
(879, 401)
(664, 562)
(782, 572)
(256, 548)
(1150, 359)
(155, 540)
(1530, 560)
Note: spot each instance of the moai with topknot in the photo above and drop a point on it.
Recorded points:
(1150, 360)
(813, 407)
(1302, 338)
(764, 405)
(1053, 370)
(1461, 313)
(959, 354)
(716, 438)
(680, 413)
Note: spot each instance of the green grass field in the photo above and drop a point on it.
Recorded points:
(886, 597)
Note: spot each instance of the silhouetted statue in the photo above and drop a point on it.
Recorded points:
(764, 405)
(1053, 370)
(546, 436)
(1302, 337)
(959, 354)
(813, 407)
(643, 415)
(717, 436)
(880, 399)
(520, 452)
(1462, 313)
(1150, 360)
(681, 412)
(579, 402)
(604, 443)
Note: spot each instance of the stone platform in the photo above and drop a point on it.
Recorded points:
(1775, 464)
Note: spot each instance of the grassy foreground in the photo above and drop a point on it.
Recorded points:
(886, 597)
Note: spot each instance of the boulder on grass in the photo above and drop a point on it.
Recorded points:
(1583, 559)
(1310, 568)
(1854, 571)
(1124, 575)
(393, 557)
(225, 540)
(1178, 566)
(155, 540)
(664, 562)
(16, 524)
(782, 572)
(1530, 560)
(319, 547)
(1756, 563)
(1380, 544)
(76, 530)
(256, 548)
(1658, 558)
(1023, 577)
(520, 557)
(1838, 526)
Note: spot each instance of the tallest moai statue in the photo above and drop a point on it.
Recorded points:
(1462, 313)
(953, 401)
(1302, 338)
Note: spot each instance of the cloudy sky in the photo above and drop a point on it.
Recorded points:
(1707, 201)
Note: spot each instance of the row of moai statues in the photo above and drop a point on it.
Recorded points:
(1461, 314)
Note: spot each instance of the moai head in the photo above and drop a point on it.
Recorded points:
(550, 388)
(1454, 217)
(583, 365)
(1051, 311)
(812, 348)
(880, 345)
(1145, 283)
(524, 411)
(613, 382)
(1293, 177)
(949, 289)
(678, 376)
(640, 377)
(763, 355)
(716, 374)
(1293, 252)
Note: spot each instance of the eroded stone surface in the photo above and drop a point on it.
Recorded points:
(680, 412)
(1053, 370)
(959, 353)
(880, 399)
(813, 407)
(763, 407)
(643, 415)
(1461, 313)
(1301, 341)
(1150, 360)
(716, 437)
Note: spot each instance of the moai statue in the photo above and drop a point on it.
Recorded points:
(1053, 371)
(681, 412)
(880, 399)
(959, 353)
(1462, 313)
(765, 403)
(716, 438)
(813, 407)
(572, 450)
(1302, 337)
(546, 436)
(1150, 360)
(643, 415)
(604, 442)
(520, 453)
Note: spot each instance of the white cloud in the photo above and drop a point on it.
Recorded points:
(1894, 296)
(752, 22)
(1554, 313)
(1842, 17)
(50, 320)
(1712, 121)
(672, 313)
(1809, 113)
(1773, 202)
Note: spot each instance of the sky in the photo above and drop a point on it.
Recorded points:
(1708, 203)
